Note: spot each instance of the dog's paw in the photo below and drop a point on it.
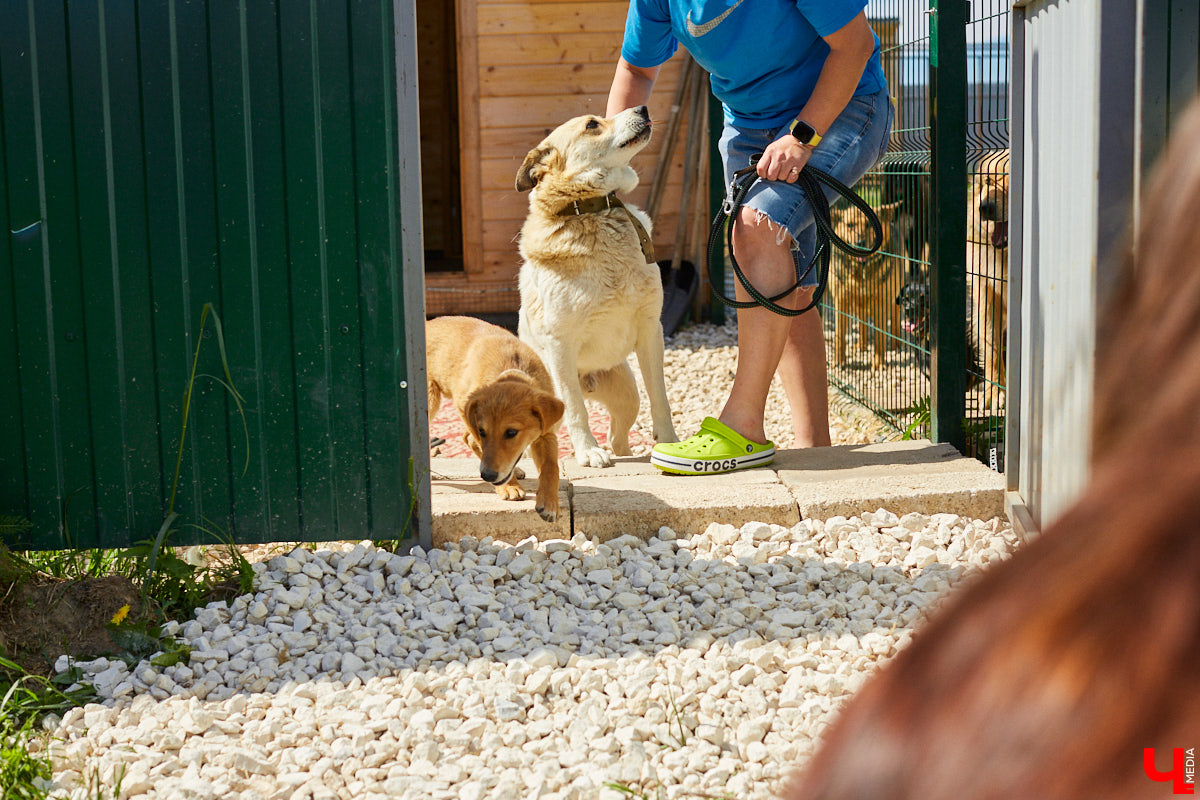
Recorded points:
(510, 491)
(547, 513)
(666, 437)
(594, 457)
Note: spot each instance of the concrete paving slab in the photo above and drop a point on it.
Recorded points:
(634, 497)
(622, 465)
(877, 458)
(900, 476)
(609, 505)
(463, 505)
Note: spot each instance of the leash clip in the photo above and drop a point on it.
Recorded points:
(728, 205)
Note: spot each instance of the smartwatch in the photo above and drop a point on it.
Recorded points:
(805, 134)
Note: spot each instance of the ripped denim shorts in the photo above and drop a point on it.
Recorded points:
(852, 146)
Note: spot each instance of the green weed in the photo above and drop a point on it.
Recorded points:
(921, 418)
(639, 794)
(625, 789)
(26, 699)
(675, 721)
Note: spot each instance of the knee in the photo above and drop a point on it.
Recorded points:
(756, 236)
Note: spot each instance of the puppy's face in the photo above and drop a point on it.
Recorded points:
(587, 155)
(506, 417)
(852, 226)
(992, 203)
(914, 310)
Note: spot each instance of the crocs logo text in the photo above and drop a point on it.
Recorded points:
(715, 466)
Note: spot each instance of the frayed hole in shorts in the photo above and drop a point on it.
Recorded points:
(781, 233)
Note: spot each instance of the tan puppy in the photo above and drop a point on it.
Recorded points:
(865, 287)
(987, 277)
(588, 296)
(504, 396)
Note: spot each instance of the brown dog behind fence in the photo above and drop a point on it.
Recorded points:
(1057, 672)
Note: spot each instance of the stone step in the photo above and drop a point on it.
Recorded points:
(633, 497)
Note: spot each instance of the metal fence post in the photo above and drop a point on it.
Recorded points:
(948, 122)
(716, 196)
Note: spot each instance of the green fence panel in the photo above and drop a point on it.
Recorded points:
(164, 157)
(937, 295)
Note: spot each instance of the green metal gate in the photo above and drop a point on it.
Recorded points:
(160, 158)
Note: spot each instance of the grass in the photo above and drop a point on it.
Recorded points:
(27, 698)
(173, 589)
(659, 793)
(677, 732)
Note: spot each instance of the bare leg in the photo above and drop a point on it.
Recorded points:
(805, 378)
(764, 338)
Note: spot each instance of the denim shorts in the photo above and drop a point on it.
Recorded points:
(853, 144)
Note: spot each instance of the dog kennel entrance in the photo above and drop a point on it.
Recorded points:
(437, 87)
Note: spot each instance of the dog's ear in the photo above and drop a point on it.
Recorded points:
(468, 414)
(533, 168)
(549, 409)
(888, 211)
(515, 375)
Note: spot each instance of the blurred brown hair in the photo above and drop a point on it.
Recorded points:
(1048, 676)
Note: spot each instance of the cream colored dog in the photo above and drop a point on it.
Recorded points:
(589, 297)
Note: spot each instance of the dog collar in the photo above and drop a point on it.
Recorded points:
(594, 205)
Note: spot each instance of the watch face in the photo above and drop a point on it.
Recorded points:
(802, 131)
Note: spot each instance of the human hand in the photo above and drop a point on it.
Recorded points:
(783, 159)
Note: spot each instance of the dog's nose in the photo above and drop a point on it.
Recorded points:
(642, 112)
(488, 475)
(987, 210)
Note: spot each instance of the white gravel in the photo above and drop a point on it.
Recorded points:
(705, 665)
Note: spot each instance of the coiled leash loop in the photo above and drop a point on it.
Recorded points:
(810, 180)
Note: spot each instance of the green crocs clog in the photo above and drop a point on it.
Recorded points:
(716, 448)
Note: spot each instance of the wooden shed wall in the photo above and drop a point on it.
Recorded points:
(526, 66)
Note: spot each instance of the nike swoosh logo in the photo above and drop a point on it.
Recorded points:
(697, 31)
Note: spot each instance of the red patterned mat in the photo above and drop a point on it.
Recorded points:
(448, 426)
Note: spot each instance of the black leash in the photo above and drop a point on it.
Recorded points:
(810, 180)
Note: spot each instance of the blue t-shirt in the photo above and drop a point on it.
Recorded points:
(764, 55)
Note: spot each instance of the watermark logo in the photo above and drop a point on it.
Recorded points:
(1181, 776)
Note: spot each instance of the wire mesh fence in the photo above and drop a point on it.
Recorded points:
(987, 229)
(877, 312)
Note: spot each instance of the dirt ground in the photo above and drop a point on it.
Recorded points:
(42, 618)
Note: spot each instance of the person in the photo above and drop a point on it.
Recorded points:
(800, 83)
(1071, 670)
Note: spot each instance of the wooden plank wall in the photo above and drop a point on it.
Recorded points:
(526, 66)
